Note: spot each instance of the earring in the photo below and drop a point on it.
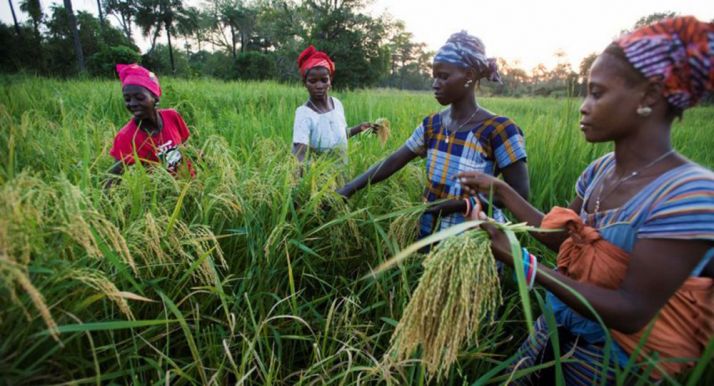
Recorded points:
(644, 111)
(468, 83)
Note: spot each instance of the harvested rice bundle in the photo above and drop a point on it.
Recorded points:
(382, 129)
(458, 290)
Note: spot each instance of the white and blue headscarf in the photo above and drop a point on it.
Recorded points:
(467, 51)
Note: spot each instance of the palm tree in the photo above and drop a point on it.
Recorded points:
(34, 9)
(157, 14)
(124, 11)
(14, 18)
(75, 35)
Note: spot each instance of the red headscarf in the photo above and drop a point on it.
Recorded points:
(679, 51)
(311, 58)
(136, 75)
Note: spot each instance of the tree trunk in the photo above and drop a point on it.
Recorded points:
(75, 35)
(14, 18)
(171, 50)
(233, 43)
(101, 17)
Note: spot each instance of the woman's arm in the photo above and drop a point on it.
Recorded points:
(657, 268)
(506, 195)
(299, 151)
(364, 126)
(379, 172)
(516, 176)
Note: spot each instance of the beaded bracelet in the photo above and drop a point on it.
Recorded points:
(530, 266)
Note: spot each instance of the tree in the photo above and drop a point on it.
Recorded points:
(124, 11)
(75, 35)
(34, 9)
(14, 17)
(157, 14)
(657, 16)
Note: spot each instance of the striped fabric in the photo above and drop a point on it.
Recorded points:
(583, 364)
(464, 50)
(679, 51)
(489, 147)
(679, 204)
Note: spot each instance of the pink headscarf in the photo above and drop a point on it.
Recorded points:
(136, 75)
(311, 57)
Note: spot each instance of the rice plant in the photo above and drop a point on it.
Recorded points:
(246, 274)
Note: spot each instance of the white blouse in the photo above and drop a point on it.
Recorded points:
(326, 131)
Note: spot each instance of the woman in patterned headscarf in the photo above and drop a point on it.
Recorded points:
(640, 237)
(463, 137)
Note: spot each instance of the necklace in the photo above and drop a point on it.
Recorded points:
(625, 178)
(317, 109)
(448, 134)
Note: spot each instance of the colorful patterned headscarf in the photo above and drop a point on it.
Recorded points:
(311, 58)
(136, 75)
(467, 51)
(679, 51)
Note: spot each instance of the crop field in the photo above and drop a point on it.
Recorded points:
(247, 273)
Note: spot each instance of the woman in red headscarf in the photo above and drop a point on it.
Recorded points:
(320, 123)
(152, 136)
(638, 244)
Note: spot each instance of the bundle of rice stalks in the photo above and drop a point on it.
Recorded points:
(382, 129)
(458, 291)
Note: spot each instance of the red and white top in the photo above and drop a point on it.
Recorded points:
(162, 147)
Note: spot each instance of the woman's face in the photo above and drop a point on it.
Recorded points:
(139, 101)
(318, 82)
(609, 111)
(449, 81)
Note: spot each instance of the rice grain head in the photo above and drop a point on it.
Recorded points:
(458, 290)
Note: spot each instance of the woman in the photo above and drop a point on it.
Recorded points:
(320, 123)
(641, 229)
(463, 137)
(153, 135)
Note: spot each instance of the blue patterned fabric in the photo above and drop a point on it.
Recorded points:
(489, 147)
(464, 50)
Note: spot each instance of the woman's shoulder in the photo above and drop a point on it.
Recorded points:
(336, 101)
(128, 129)
(494, 120)
(691, 175)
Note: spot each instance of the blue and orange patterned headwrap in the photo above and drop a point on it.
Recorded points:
(467, 51)
(679, 51)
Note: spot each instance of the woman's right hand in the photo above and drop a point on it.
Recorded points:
(477, 182)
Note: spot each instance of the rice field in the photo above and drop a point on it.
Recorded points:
(246, 274)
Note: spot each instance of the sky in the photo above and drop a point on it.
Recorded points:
(523, 32)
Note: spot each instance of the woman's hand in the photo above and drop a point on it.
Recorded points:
(362, 127)
(477, 182)
(500, 246)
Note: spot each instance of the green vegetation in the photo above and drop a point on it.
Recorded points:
(245, 273)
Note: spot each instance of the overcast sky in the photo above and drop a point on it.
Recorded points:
(526, 31)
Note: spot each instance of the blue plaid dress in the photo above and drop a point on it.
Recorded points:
(488, 147)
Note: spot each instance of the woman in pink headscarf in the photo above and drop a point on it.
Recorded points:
(320, 123)
(152, 136)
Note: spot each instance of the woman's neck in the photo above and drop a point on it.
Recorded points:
(463, 108)
(323, 101)
(640, 148)
(150, 125)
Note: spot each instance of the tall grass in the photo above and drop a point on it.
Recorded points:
(244, 274)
